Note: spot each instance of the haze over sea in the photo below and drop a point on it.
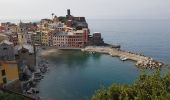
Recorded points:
(75, 75)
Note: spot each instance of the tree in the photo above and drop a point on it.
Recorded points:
(146, 87)
(6, 96)
(52, 15)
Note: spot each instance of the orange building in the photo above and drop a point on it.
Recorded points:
(8, 72)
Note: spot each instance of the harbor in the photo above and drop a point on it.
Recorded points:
(79, 61)
(141, 60)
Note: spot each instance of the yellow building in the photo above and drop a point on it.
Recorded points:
(44, 39)
(8, 72)
(22, 38)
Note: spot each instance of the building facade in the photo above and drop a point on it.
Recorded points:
(59, 39)
(50, 38)
(71, 39)
(9, 27)
(7, 50)
(36, 38)
(44, 39)
(28, 37)
(97, 39)
(8, 72)
(13, 37)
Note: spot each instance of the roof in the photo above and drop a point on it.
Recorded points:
(79, 31)
(2, 37)
(60, 34)
(8, 62)
(25, 46)
(96, 33)
(6, 42)
(46, 19)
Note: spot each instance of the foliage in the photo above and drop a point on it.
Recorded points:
(6, 96)
(146, 87)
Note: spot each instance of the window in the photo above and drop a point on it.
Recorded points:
(4, 80)
(3, 72)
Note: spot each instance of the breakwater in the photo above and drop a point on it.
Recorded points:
(141, 60)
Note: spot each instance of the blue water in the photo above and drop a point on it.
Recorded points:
(151, 37)
(75, 75)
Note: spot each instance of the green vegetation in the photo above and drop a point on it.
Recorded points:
(153, 86)
(6, 96)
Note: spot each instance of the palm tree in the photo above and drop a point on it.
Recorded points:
(52, 15)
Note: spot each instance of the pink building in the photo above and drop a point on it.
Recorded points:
(74, 39)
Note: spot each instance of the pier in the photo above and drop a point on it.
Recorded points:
(141, 60)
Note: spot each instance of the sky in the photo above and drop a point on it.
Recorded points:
(91, 9)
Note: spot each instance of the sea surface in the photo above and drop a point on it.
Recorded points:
(75, 75)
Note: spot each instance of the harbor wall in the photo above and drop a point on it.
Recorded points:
(141, 60)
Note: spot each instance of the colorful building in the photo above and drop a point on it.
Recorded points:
(9, 27)
(13, 37)
(2, 29)
(50, 38)
(44, 39)
(22, 38)
(72, 39)
(27, 27)
(28, 37)
(97, 39)
(36, 38)
(8, 72)
(59, 39)
(78, 39)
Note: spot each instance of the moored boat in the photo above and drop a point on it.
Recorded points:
(123, 58)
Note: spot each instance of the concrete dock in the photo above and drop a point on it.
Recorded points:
(141, 60)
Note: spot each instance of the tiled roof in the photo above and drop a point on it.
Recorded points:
(9, 62)
(6, 42)
(25, 46)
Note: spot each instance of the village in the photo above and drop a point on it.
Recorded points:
(20, 70)
(19, 43)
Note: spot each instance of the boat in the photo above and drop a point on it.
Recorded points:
(33, 91)
(29, 91)
(91, 52)
(123, 58)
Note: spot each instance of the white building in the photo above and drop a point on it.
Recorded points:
(60, 39)
(28, 36)
(57, 26)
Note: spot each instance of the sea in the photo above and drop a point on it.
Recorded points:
(76, 75)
